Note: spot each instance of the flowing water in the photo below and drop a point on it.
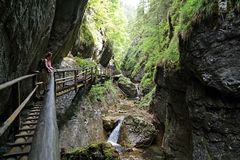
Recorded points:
(114, 136)
(138, 91)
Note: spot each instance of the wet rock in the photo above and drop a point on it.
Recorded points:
(106, 54)
(197, 104)
(67, 21)
(25, 30)
(127, 87)
(109, 123)
(215, 123)
(84, 45)
(81, 123)
(100, 151)
(171, 113)
(212, 55)
(137, 132)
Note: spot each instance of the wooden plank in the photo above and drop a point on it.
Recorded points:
(10, 83)
(68, 90)
(10, 120)
(64, 70)
(61, 79)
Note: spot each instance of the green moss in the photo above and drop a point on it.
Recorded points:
(86, 35)
(146, 100)
(99, 91)
(100, 151)
(156, 33)
(124, 80)
(84, 62)
(147, 83)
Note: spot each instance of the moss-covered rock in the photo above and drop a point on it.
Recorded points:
(137, 132)
(84, 46)
(127, 87)
(99, 151)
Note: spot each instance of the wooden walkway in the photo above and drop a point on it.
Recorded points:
(26, 143)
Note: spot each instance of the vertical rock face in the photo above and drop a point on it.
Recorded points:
(212, 55)
(67, 21)
(25, 29)
(171, 113)
(204, 93)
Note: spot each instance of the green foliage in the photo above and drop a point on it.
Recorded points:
(146, 100)
(147, 83)
(108, 17)
(84, 62)
(86, 34)
(99, 91)
(155, 33)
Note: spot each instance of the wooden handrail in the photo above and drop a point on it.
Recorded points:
(64, 70)
(65, 78)
(10, 120)
(45, 145)
(10, 83)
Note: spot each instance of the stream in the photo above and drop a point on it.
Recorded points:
(87, 126)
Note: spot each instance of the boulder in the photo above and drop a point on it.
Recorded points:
(84, 45)
(109, 123)
(100, 151)
(107, 54)
(127, 87)
(137, 132)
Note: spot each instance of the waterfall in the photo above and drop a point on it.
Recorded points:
(138, 91)
(116, 132)
(114, 136)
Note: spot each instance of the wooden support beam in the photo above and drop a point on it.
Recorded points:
(75, 81)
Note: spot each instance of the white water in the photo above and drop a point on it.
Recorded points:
(138, 91)
(114, 136)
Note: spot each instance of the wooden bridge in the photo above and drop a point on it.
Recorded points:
(37, 137)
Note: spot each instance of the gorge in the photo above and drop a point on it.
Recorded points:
(174, 68)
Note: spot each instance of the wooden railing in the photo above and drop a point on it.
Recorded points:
(45, 144)
(16, 85)
(67, 80)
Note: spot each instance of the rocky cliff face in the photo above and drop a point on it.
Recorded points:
(67, 21)
(25, 29)
(197, 106)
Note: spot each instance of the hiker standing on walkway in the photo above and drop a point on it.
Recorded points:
(48, 62)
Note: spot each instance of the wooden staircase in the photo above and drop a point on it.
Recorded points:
(19, 150)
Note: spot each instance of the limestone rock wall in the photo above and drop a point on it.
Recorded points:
(28, 28)
(197, 106)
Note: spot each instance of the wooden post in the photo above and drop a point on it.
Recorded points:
(34, 84)
(64, 75)
(75, 80)
(96, 73)
(91, 74)
(55, 85)
(85, 77)
(19, 93)
(83, 74)
(16, 102)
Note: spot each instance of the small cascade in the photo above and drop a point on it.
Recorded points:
(114, 136)
(138, 91)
